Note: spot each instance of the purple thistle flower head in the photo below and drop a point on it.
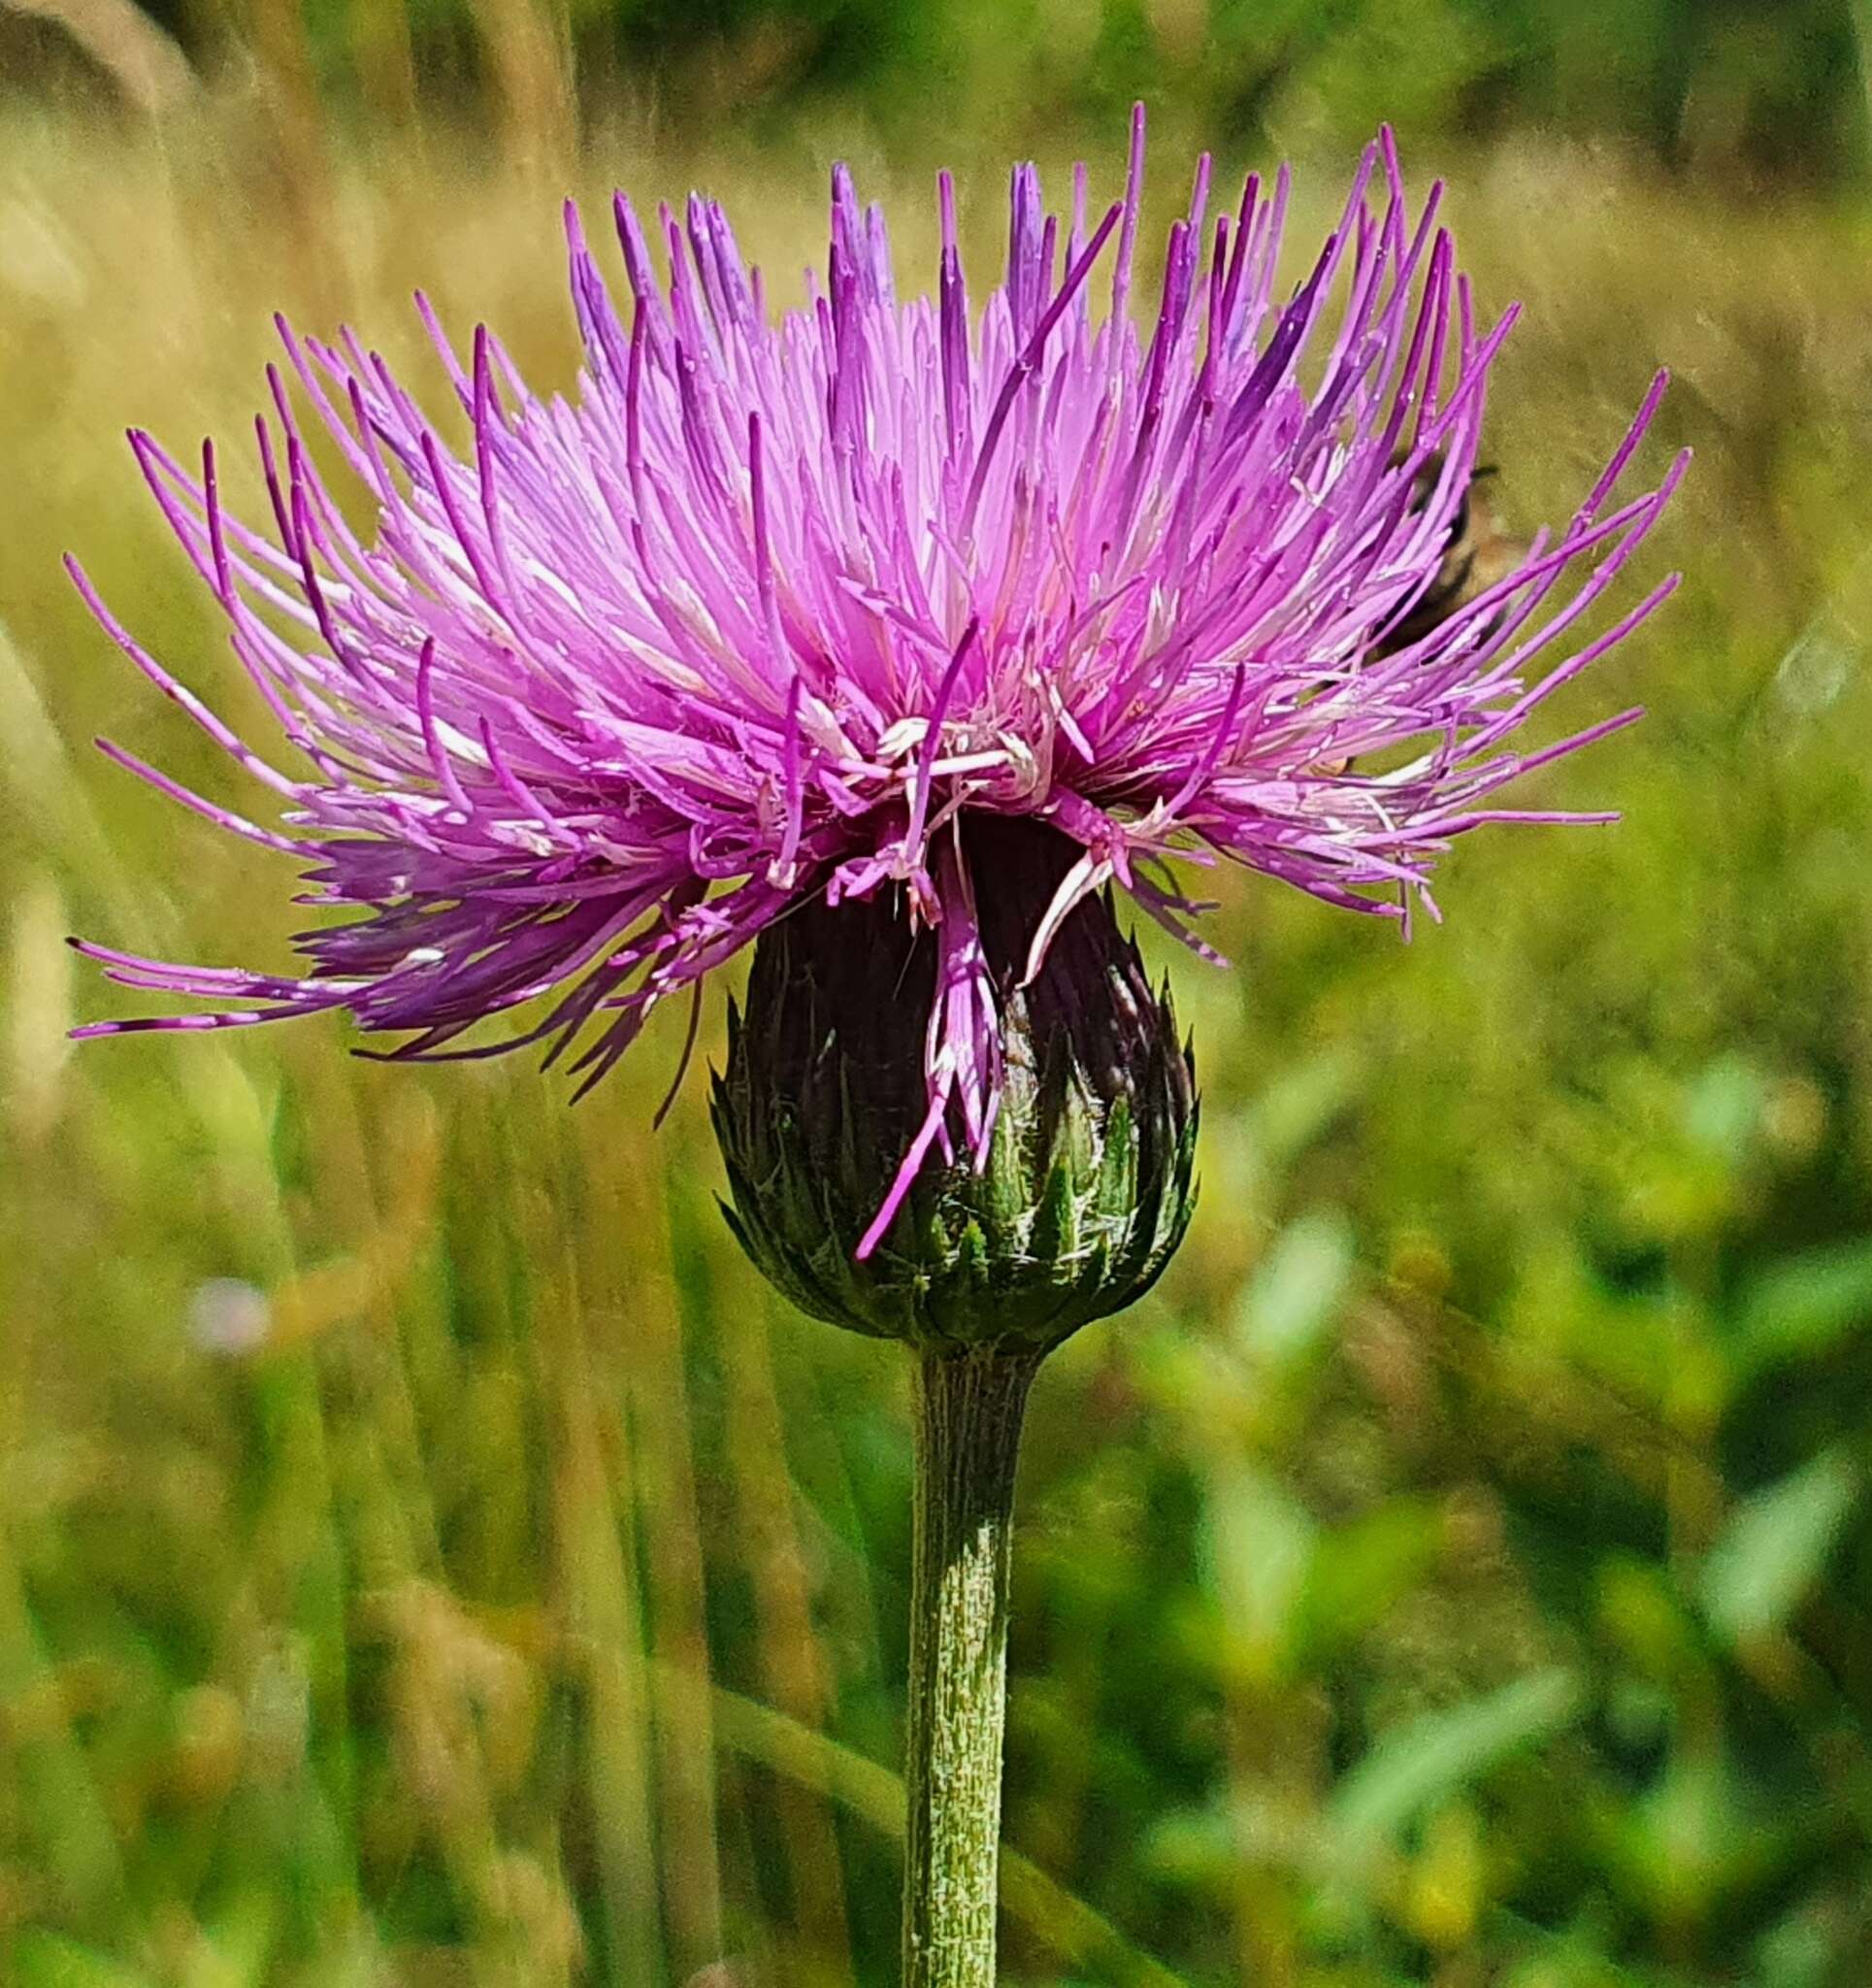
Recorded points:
(772, 605)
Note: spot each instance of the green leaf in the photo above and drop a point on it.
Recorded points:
(48, 1960)
(1804, 1307)
(1643, 1612)
(1420, 1763)
(1260, 1543)
(241, 1942)
(1775, 1544)
(1722, 1112)
(1300, 1104)
(1297, 1289)
(1362, 1569)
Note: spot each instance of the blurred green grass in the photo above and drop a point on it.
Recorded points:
(430, 1556)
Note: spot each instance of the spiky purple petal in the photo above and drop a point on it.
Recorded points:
(768, 606)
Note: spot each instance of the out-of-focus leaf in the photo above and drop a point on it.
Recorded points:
(1803, 1950)
(1192, 1849)
(1261, 1545)
(1297, 1289)
(1776, 1541)
(1299, 1104)
(1573, 1964)
(1448, 1881)
(48, 1960)
(1641, 1610)
(1420, 1763)
(1722, 1112)
(1807, 1305)
(1359, 1571)
(1697, 1836)
(239, 1948)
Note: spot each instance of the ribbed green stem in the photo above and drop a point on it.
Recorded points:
(969, 1409)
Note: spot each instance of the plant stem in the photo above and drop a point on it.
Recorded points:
(969, 1409)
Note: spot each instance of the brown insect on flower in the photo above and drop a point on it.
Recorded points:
(1477, 555)
(1479, 552)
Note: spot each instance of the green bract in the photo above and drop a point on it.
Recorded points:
(1089, 1181)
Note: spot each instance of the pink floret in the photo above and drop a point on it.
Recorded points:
(771, 603)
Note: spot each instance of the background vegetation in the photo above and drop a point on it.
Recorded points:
(428, 1556)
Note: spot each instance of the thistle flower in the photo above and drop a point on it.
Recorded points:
(772, 606)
